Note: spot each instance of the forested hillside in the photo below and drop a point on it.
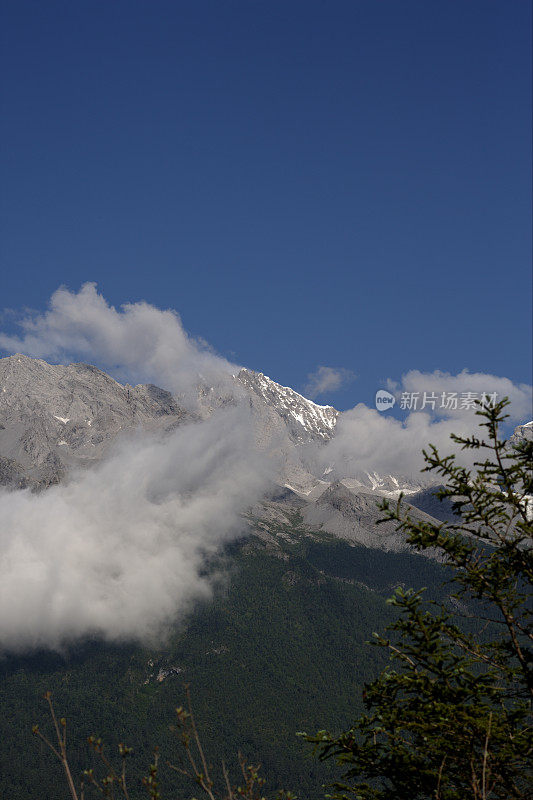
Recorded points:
(281, 649)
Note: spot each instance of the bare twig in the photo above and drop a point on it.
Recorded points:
(61, 736)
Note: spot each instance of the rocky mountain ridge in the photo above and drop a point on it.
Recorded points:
(55, 418)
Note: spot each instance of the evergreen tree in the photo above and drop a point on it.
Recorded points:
(450, 717)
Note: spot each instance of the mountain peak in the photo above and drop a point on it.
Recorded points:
(304, 418)
(522, 432)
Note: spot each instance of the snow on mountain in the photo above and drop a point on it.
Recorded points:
(304, 419)
(384, 485)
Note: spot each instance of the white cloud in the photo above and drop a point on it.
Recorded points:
(439, 382)
(118, 551)
(327, 379)
(138, 342)
(367, 440)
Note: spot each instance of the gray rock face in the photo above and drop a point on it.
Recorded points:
(522, 433)
(354, 515)
(426, 501)
(54, 417)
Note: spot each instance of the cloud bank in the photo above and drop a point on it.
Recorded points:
(117, 552)
(437, 383)
(367, 440)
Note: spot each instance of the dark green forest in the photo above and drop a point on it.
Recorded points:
(282, 648)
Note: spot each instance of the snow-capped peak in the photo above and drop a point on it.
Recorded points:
(302, 416)
(522, 433)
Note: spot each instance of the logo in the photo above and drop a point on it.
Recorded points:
(384, 400)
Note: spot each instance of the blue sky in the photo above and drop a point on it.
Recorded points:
(345, 184)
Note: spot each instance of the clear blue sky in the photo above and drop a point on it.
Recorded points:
(341, 183)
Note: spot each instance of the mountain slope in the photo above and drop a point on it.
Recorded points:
(55, 417)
